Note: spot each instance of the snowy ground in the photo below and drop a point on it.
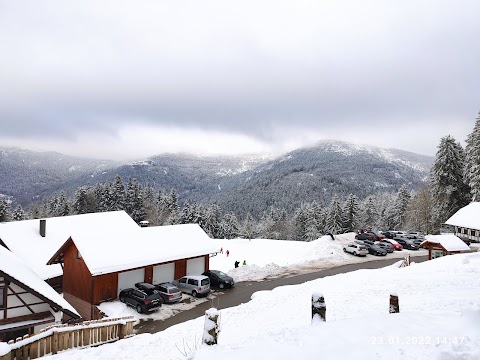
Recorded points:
(276, 258)
(265, 259)
(439, 319)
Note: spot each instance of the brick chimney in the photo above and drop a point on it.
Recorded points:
(43, 226)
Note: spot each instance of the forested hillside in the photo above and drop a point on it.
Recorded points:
(241, 184)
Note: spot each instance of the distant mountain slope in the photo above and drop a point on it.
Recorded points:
(319, 172)
(26, 174)
(193, 177)
(247, 183)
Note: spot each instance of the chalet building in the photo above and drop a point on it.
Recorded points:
(99, 263)
(466, 222)
(27, 302)
(441, 245)
(34, 241)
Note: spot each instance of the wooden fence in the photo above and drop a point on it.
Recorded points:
(63, 337)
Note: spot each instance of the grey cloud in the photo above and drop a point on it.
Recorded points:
(250, 68)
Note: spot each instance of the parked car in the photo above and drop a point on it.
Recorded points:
(219, 278)
(140, 300)
(416, 234)
(356, 249)
(392, 242)
(379, 236)
(365, 236)
(390, 234)
(386, 246)
(376, 250)
(146, 287)
(169, 292)
(193, 284)
(407, 244)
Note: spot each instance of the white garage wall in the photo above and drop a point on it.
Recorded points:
(164, 273)
(196, 266)
(128, 279)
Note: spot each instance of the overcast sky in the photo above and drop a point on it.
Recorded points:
(130, 79)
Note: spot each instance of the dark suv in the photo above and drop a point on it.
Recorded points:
(219, 278)
(140, 300)
(365, 236)
(407, 244)
(169, 292)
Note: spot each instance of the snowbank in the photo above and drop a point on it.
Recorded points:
(439, 316)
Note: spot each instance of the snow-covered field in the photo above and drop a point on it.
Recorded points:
(265, 259)
(439, 319)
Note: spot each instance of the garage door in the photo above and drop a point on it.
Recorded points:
(196, 266)
(163, 273)
(128, 279)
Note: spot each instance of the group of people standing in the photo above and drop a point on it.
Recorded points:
(237, 263)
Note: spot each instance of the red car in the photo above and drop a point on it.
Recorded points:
(378, 234)
(395, 244)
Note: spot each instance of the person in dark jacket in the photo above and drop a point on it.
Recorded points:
(237, 263)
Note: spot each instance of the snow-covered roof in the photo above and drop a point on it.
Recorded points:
(15, 268)
(467, 217)
(24, 240)
(449, 242)
(111, 250)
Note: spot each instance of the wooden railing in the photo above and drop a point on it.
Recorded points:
(63, 337)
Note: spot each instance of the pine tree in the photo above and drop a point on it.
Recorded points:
(212, 221)
(447, 181)
(63, 209)
(370, 214)
(334, 222)
(117, 194)
(400, 206)
(229, 226)
(248, 229)
(472, 161)
(53, 207)
(4, 209)
(80, 202)
(350, 213)
(300, 218)
(313, 214)
(18, 213)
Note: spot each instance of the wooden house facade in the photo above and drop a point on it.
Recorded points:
(27, 303)
(466, 222)
(441, 245)
(85, 285)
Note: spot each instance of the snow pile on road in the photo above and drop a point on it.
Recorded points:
(439, 316)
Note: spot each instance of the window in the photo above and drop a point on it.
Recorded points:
(2, 295)
(192, 282)
(182, 281)
(472, 232)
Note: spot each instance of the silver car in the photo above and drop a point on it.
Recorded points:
(193, 284)
(356, 249)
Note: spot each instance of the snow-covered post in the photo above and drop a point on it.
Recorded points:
(394, 307)
(319, 308)
(211, 328)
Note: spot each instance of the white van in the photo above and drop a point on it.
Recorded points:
(193, 284)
